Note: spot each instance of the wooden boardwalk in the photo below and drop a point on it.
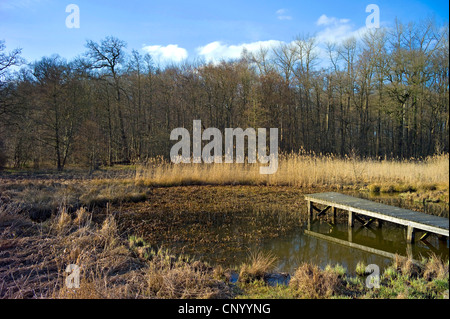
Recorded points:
(377, 212)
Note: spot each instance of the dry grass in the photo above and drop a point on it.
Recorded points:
(172, 277)
(259, 265)
(436, 268)
(311, 282)
(303, 170)
(42, 197)
(34, 257)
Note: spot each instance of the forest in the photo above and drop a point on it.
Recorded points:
(382, 95)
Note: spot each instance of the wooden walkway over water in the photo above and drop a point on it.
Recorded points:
(377, 212)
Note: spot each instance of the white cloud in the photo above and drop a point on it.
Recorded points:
(216, 51)
(282, 15)
(325, 20)
(336, 30)
(167, 53)
(332, 30)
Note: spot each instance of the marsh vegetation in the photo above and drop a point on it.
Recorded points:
(145, 231)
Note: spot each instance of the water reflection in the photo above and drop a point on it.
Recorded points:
(297, 247)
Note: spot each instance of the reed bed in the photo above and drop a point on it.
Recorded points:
(301, 170)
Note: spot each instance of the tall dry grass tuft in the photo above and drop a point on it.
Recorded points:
(175, 278)
(311, 282)
(62, 223)
(406, 266)
(302, 170)
(109, 232)
(83, 217)
(436, 268)
(260, 263)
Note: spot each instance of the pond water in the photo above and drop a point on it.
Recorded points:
(296, 246)
(301, 247)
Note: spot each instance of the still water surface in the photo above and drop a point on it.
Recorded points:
(296, 247)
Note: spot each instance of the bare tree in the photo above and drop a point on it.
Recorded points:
(108, 56)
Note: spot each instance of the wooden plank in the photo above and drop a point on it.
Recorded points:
(362, 221)
(370, 221)
(397, 215)
(323, 211)
(425, 236)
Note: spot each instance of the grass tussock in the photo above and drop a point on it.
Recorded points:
(175, 278)
(311, 282)
(259, 265)
(436, 269)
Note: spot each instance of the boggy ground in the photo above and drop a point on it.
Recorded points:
(203, 219)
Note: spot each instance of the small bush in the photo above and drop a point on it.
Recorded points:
(174, 278)
(390, 273)
(83, 217)
(428, 186)
(109, 232)
(406, 189)
(62, 222)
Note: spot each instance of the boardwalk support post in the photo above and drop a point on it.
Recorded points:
(410, 234)
(333, 211)
(351, 218)
(310, 214)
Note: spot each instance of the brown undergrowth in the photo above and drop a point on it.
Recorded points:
(34, 257)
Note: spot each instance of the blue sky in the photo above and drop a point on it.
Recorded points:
(175, 30)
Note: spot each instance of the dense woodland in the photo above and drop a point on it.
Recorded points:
(385, 94)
